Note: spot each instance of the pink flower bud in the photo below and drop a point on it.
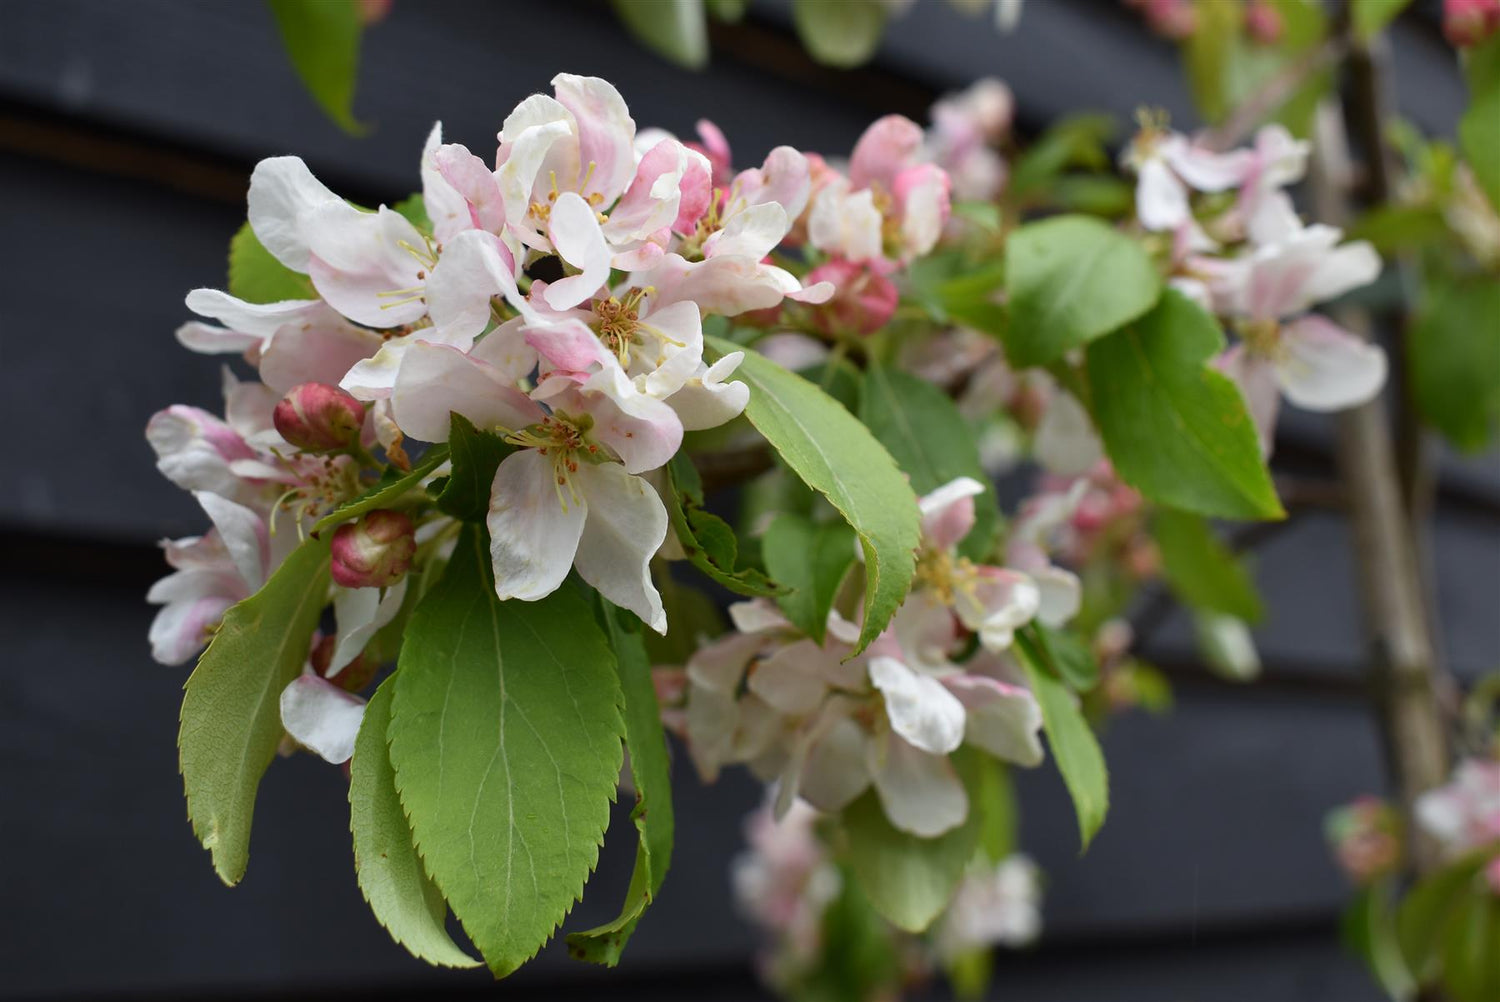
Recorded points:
(1468, 22)
(863, 299)
(1263, 22)
(353, 677)
(316, 417)
(373, 552)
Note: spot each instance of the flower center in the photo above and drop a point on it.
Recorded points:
(618, 323)
(542, 211)
(945, 574)
(564, 439)
(1262, 337)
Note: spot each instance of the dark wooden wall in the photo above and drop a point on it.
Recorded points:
(127, 130)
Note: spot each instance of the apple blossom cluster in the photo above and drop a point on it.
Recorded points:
(1246, 255)
(1365, 835)
(556, 298)
(1465, 814)
(826, 726)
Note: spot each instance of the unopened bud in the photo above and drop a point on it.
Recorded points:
(1466, 23)
(373, 552)
(1263, 22)
(317, 417)
(863, 299)
(352, 677)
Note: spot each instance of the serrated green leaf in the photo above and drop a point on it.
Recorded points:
(707, 540)
(932, 443)
(651, 771)
(1074, 747)
(1176, 429)
(992, 797)
(322, 40)
(838, 457)
(1369, 929)
(1479, 129)
(1370, 17)
(908, 879)
(1066, 654)
(1454, 348)
(505, 735)
(231, 713)
(810, 559)
(257, 277)
(476, 456)
(1072, 279)
(385, 494)
(1202, 571)
(391, 877)
(673, 29)
(1426, 917)
(841, 33)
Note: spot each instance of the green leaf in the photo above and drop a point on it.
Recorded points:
(1076, 141)
(1176, 429)
(386, 493)
(1369, 929)
(651, 771)
(726, 10)
(1203, 572)
(855, 959)
(708, 541)
(476, 456)
(1074, 747)
(992, 797)
(1227, 645)
(836, 456)
(1226, 67)
(231, 713)
(1395, 228)
(1072, 279)
(1471, 957)
(840, 33)
(1208, 52)
(322, 40)
(1454, 349)
(1431, 909)
(908, 879)
(932, 443)
(811, 559)
(391, 877)
(1066, 655)
(1479, 129)
(673, 29)
(505, 736)
(1370, 17)
(257, 277)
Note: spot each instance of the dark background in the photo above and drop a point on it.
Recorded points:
(127, 131)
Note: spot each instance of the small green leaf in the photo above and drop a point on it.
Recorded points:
(476, 456)
(841, 33)
(1426, 918)
(708, 541)
(810, 559)
(1072, 279)
(391, 877)
(386, 493)
(1209, 52)
(257, 277)
(1066, 654)
(931, 442)
(506, 740)
(673, 29)
(908, 879)
(837, 456)
(1370, 17)
(1074, 747)
(1203, 572)
(322, 40)
(1075, 141)
(1479, 129)
(1454, 349)
(1395, 228)
(1369, 929)
(231, 712)
(414, 208)
(1176, 429)
(1471, 957)
(651, 771)
(992, 797)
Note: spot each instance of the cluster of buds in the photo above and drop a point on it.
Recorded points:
(1366, 839)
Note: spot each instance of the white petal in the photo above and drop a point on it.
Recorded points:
(360, 613)
(259, 319)
(574, 230)
(626, 523)
(1161, 200)
(322, 717)
(1066, 442)
(752, 232)
(835, 772)
(243, 533)
(1323, 367)
(535, 526)
(707, 400)
(364, 264)
(283, 194)
(315, 352)
(1004, 720)
(1061, 594)
(436, 380)
(920, 708)
(1346, 267)
(790, 679)
(474, 268)
(920, 792)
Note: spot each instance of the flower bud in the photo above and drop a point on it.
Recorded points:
(353, 677)
(1468, 22)
(1263, 22)
(316, 417)
(863, 299)
(373, 552)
